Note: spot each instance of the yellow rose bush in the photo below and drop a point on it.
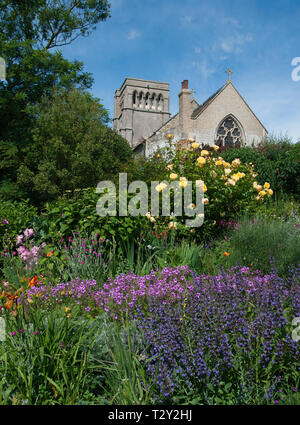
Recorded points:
(230, 188)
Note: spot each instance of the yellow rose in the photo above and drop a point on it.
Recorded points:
(201, 161)
(183, 183)
(235, 177)
(173, 176)
(236, 162)
(148, 215)
(227, 171)
(262, 193)
(170, 167)
(270, 191)
(257, 186)
(170, 136)
(204, 153)
(267, 185)
(200, 183)
(172, 225)
(205, 201)
(219, 163)
(230, 182)
(215, 147)
(195, 145)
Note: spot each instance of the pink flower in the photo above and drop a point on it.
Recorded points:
(19, 239)
(28, 233)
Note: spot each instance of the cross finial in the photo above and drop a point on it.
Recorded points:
(193, 92)
(229, 72)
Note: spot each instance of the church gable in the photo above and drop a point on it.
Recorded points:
(227, 102)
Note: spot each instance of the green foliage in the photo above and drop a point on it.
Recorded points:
(29, 30)
(78, 213)
(19, 215)
(276, 161)
(127, 382)
(72, 147)
(47, 357)
(262, 244)
(146, 169)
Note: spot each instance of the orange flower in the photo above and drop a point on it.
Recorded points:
(49, 254)
(33, 282)
(8, 304)
(226, 253)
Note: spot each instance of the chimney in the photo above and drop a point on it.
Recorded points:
(185, 108)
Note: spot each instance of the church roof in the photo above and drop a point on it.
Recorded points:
(198, 110)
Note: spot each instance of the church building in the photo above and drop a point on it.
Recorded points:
(142, 116)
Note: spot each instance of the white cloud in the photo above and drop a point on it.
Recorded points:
(202, 66)
(197, 50)
(235, 44)
(187, 19)
(229, 20)
(133, 34)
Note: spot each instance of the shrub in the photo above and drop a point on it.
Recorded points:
(15, 217)
(263, 244)
(72, 148)
(229, 188)
(276, 161)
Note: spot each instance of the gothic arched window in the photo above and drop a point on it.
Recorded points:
(134, 98)
(147, 100)
(152, 101)
(160, 102)
(141, 100)
(229, 133)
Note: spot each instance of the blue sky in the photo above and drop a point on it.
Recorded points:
(197, 40)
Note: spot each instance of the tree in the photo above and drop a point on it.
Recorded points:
(72, 148)
(29, 30)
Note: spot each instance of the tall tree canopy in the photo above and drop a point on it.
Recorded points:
(72, 148)
(31, 33)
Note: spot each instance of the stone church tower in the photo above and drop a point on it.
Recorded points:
(141, 107)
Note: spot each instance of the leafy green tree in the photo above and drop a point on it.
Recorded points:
(29, 30)
(72, 147)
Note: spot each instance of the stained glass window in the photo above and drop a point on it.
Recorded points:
(229, 133)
